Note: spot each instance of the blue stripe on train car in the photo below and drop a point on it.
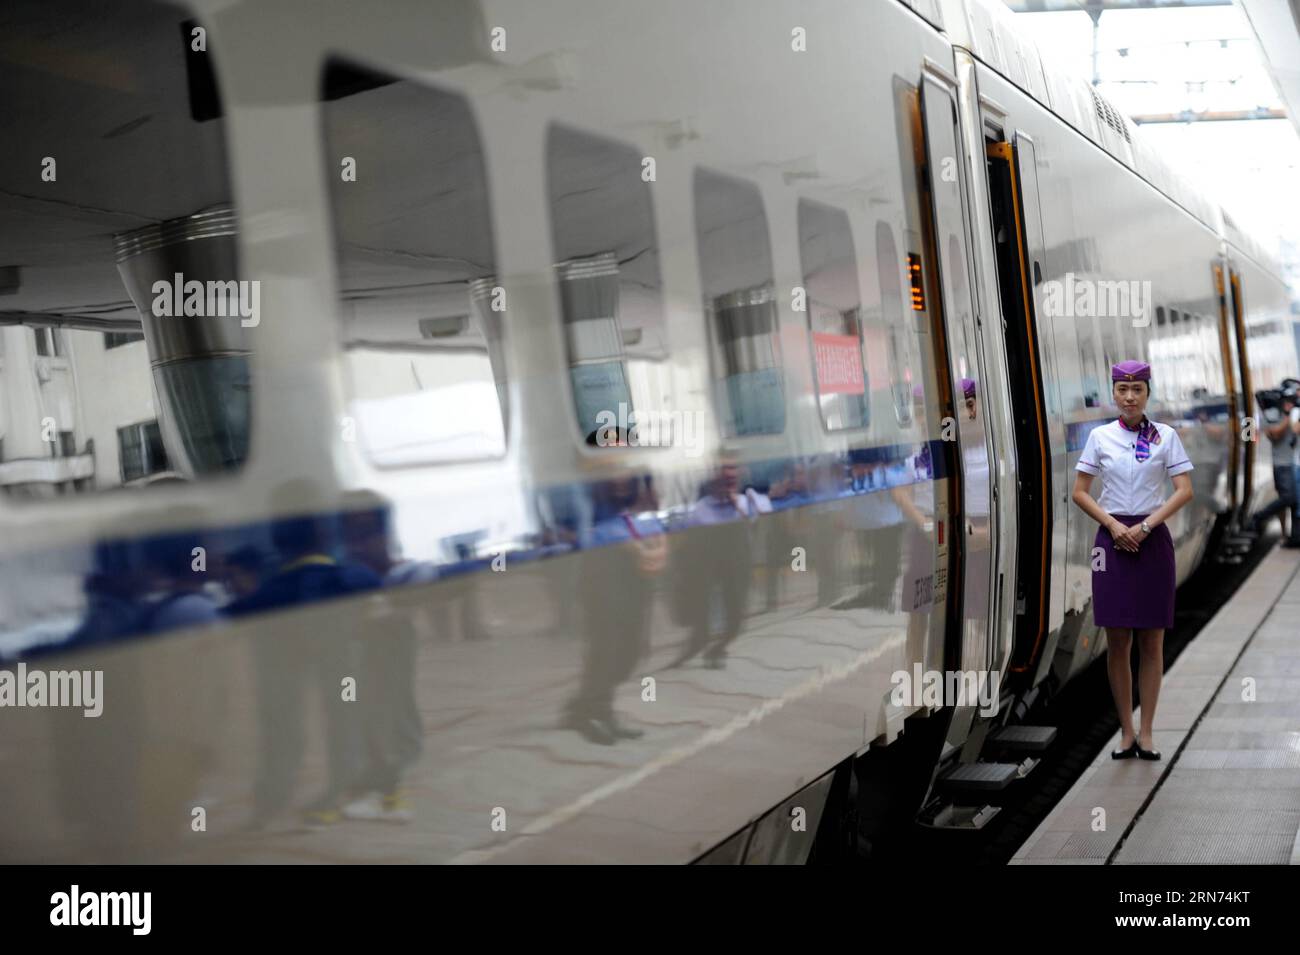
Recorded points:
(123, 600)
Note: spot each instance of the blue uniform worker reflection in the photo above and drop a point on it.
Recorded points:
(98, 762)
(391, 731)
(296, 661)
(177, 579)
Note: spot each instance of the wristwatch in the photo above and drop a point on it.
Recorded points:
(1146, 529)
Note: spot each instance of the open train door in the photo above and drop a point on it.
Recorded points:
(1228, 350)
(961, 377)
(1030, 334)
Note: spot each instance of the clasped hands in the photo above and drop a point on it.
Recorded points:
(1127, 538)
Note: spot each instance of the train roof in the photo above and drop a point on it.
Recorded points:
(987, 29)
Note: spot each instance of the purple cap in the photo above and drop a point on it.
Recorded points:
(1130, 370)
(968, 387)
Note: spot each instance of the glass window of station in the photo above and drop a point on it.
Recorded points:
(834, 304)
(423, 313)
(610, 294)
(740, 304)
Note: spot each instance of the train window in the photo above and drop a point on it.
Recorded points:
(122, 301)
(1173, 316)
(740, 304)
(610, 292)
(1160, 315)
(901, 356)
(423, 315)
(834, 308)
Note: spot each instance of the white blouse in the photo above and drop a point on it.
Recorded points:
(1130, 486)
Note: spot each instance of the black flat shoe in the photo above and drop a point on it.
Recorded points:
(1125, 753)
(1151, 754)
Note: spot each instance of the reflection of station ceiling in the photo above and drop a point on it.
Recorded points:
(104, 94)
(1276, 25)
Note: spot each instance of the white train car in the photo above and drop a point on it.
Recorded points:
(581, 415)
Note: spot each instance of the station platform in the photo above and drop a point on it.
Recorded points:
(1227, 788)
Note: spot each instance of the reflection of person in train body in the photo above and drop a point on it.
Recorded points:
(917, 504)
(98, 762)
(242, 570)
(719, 556)
(179, 579)
(978, 526)
(876, 521)
(564, 514)
(299, 658)
(968, 399)
(627, 550)
(392, 734)
(178, 594)
(788, 494)
(463, 596)
(826, 479)
(916, 501)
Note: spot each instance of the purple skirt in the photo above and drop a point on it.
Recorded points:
(1135, 590)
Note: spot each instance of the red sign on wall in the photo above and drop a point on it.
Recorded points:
(839, 364)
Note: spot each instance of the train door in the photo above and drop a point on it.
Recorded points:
(1247, 391)
(1228, 349)
(958, 343)
(1030, 335)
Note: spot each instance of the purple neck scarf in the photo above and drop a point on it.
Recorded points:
(1147, 435)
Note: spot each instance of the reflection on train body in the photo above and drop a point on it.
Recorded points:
(463, 589)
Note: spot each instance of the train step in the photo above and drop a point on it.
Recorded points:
(945, 815)
(984, 777)
(1022, 739)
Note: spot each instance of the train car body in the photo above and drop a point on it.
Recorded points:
(630, 395)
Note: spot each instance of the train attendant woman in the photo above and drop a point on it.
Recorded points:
(1133, 572)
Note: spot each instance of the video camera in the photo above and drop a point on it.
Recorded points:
(1272, 399)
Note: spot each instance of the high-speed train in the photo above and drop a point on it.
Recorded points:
(488, 430)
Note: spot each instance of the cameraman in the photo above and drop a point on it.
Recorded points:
(1285, 436)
